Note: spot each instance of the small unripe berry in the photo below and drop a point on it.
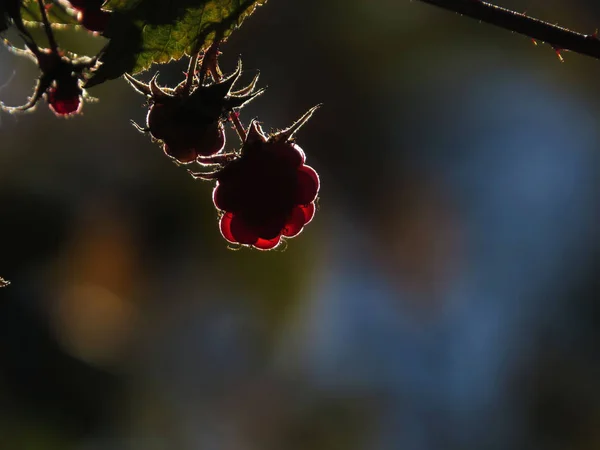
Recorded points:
(65, 97)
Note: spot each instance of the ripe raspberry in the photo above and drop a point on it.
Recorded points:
(267, 192)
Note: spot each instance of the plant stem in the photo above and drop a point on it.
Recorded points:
(47, 27)
(191, 73)
(558, 37)
(210, 64)
(241, 131)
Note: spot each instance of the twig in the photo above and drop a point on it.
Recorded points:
(210, 64)
(48, 27)
(191, 73)
(558, 37)
(239, 128)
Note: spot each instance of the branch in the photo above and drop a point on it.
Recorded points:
(558, 37)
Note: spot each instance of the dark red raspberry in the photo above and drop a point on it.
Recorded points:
(188, 120)
(267, 192)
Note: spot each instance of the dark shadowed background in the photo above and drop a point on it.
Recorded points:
(446, 295)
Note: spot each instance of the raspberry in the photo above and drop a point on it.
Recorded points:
(267, 192)
(60, 82)
(188, 120)
(64, 99)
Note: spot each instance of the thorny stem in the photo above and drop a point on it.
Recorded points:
(47, 27)
(191, 74)
(210, 64)
(241, 131)
(558, 37)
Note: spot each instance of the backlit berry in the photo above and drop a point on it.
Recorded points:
(65, 97)
(62, 77)
(60, 82)
(267, 192)
(188, 120)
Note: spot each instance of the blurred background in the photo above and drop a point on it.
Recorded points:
(446, 295)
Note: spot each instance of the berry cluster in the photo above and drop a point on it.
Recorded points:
(264, 192)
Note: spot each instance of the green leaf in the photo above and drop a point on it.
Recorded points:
(121, 5)
(30, 12)
(144, 32)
